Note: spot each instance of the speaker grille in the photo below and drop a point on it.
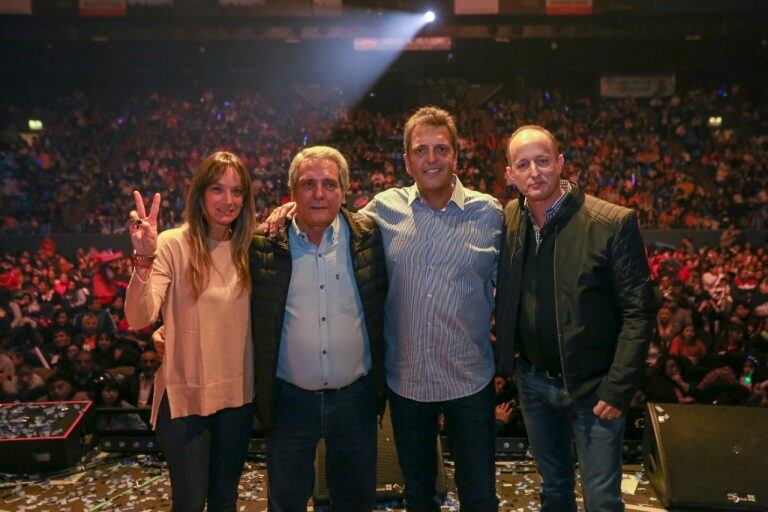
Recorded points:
(709, 455)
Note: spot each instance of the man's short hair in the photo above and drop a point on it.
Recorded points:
(57, 377)
(319, 153)
(430, 116)
(552, 140)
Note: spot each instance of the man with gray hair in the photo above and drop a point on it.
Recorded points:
(318, 295)
(441, 242)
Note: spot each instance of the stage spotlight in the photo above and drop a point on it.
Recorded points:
(35, 125)
(429, 16)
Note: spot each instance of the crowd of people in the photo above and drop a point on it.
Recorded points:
(660, 157)
(711, 337)
(710, 342)
(703, 309)
(665, 158)
(63, 320)
(64, 335)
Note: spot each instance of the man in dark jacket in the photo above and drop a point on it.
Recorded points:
(318, 296)
(138, 387)
(441, 243)
(574, 313)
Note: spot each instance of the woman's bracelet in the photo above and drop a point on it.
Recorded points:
(143, 260)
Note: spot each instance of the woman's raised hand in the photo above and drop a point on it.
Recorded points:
(143, 227)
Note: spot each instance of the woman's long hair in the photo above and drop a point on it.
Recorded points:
(207, 173)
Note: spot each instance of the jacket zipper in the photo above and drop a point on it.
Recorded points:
(502, 352)
(285, 246)
(517, 240)
(557, 314)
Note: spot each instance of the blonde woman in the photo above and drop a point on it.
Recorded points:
(197, 276)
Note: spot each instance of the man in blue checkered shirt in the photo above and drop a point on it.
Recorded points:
(574, 312)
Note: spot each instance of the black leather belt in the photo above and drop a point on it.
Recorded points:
(334, 390)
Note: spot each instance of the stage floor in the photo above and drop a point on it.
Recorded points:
(140, 483)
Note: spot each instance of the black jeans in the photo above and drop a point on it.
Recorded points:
(205, 456)
(346, 419)
(471, 427)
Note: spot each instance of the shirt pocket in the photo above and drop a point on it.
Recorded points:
(346, 293)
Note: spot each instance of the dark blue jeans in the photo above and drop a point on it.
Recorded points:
(346, 419)
(553, 422)
(205, 456)
(471, 428)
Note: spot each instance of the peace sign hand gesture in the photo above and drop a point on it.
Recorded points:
(143, 227)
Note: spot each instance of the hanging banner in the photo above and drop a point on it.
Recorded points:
(637, 86)
(243, 3)
(16, 7)
(102, 7)
(569, 7)
(476, 7)
(397, 44)
(151, 3)
(521, 7)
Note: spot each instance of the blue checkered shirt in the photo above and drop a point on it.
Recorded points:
(551, 211)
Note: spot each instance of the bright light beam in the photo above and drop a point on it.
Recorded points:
(376, 52)
(351, 76)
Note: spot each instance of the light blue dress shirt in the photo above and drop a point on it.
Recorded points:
(324, 344)
(441, 267)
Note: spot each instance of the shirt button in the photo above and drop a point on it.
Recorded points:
(319, 255)
(429, 295)
(325, 352)
(322, 286)
(323, 319)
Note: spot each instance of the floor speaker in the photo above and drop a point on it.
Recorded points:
(42, 436)
(389, 478)
(707, 456)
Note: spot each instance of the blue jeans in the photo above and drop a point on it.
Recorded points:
(471, 428)
(553, 422)
(205, 456)
(346, 419)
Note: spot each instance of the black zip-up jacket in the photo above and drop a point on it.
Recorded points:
(604, 307)
(270, 264)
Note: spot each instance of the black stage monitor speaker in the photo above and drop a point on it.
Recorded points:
(42, 436)
(708, 456)
(389, 479)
